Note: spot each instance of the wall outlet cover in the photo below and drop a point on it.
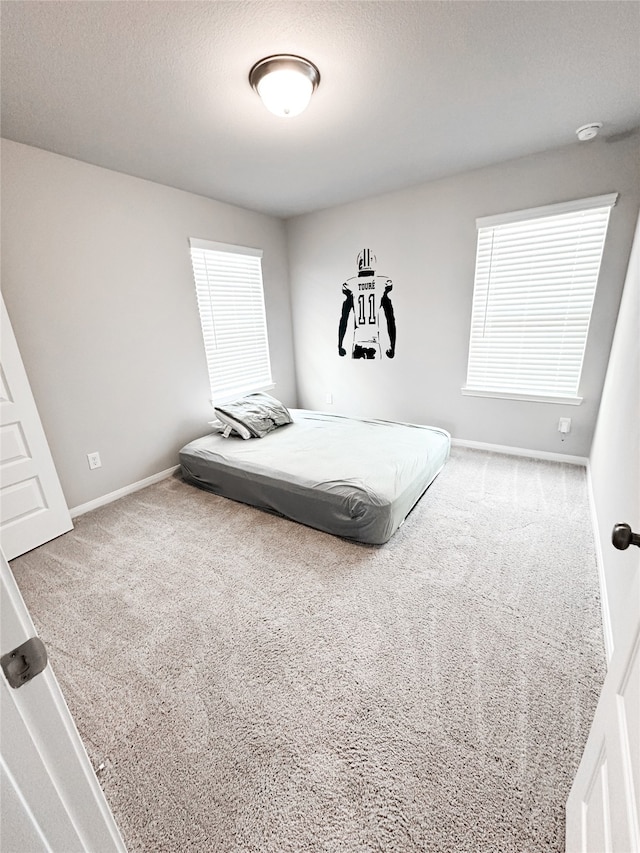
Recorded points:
(564, 425)
(94, 460)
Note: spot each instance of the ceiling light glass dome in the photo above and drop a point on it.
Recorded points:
(285, 83)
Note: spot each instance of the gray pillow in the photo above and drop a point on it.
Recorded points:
(254, 416)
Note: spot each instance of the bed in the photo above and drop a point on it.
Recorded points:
(351, 477)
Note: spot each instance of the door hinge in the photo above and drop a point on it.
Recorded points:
(25, 661)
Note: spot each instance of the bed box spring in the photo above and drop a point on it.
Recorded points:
(351, 477)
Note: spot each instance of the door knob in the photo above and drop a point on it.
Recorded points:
(623, 536)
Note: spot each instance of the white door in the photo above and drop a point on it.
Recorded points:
(51, 800)
(32, 506)
(603, 809)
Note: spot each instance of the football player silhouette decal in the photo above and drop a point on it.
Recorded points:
(366, 295)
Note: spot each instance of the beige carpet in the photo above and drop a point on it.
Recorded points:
(251, 684)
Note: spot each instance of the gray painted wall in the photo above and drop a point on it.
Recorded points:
(425, 240)
(96, 276)
(97, 280)
(615, 454)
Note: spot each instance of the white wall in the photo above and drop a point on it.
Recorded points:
(97, 280)
(615, 454)
(425, 240)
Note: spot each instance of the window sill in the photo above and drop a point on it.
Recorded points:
(529, 398)
(238, 395)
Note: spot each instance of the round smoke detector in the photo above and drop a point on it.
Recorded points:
(588, 131)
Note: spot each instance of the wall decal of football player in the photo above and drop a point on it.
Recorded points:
(366, 294)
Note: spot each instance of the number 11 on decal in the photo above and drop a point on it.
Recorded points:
(361, 309)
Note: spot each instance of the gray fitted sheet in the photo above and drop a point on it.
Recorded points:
(351, 477)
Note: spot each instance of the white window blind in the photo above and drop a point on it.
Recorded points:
(535, 282)
(230, 297)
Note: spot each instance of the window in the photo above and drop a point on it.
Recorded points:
(535, 282)
(231, 303)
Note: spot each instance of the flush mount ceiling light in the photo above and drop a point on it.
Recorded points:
(285, 83)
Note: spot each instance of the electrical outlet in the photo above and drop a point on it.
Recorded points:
(94, 460)
(564, 425)
(329, 398)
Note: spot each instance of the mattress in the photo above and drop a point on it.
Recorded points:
(352, 477)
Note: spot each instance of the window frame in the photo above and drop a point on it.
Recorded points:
(493, 223)
(209, 313)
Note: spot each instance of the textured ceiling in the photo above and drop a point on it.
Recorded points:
(410, 91)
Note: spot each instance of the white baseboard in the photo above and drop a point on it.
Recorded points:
(521, 451)
(604, 599)
(120, 493)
